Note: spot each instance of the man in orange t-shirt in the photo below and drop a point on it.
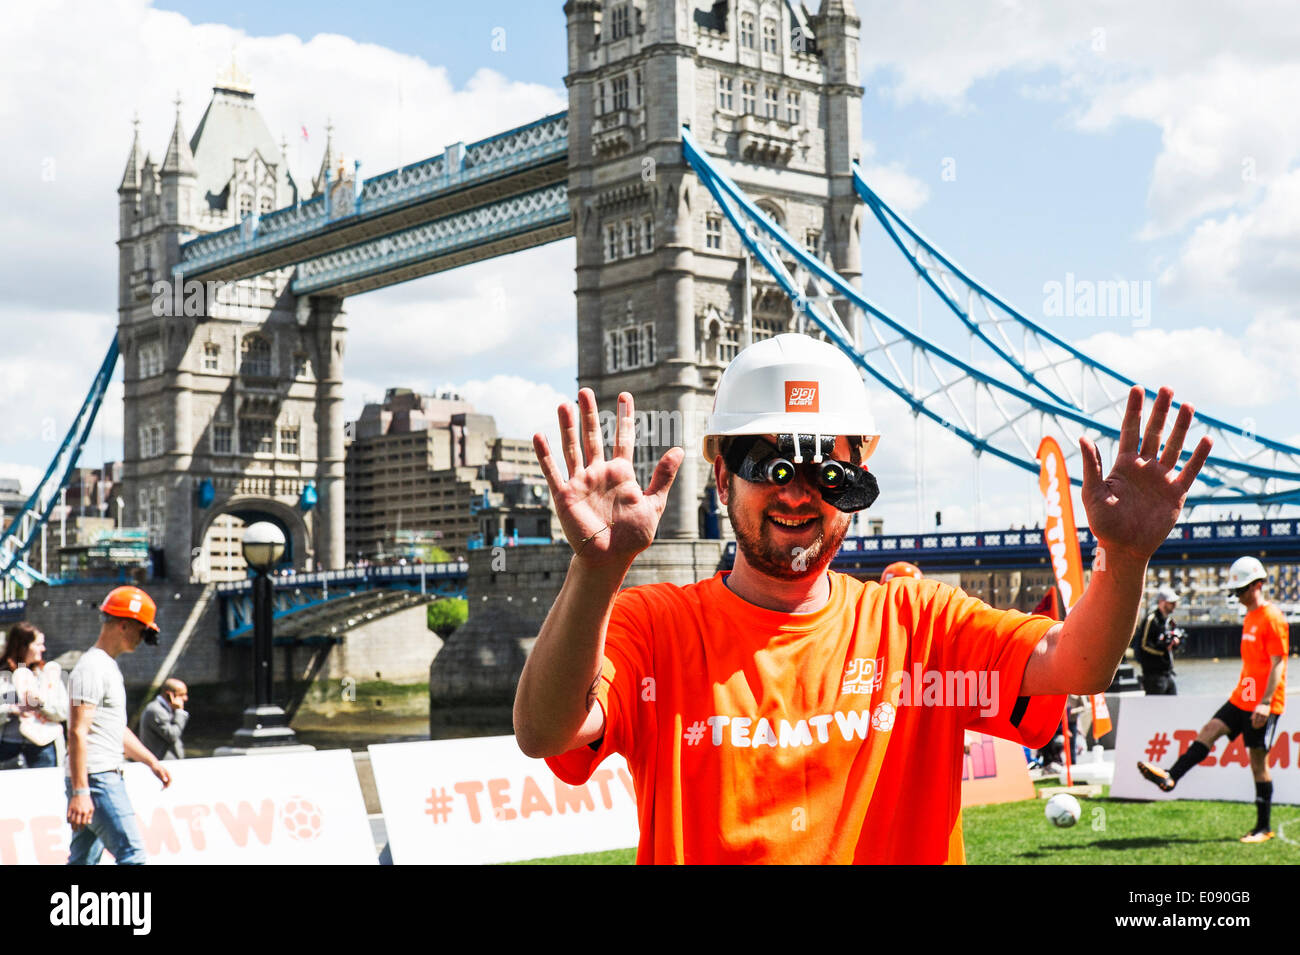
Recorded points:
(783, 712)
(1256, 702)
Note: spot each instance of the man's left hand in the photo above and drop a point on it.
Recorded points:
(1133, 509)
(1260, 716)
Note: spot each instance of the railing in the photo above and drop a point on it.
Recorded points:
(353, 575)
(547, 138)
(1196, 536)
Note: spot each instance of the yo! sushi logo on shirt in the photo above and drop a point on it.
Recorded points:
(801, 396)
(863, 675)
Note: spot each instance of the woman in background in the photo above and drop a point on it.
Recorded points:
(33, 701)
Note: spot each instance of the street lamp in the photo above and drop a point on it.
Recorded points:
(265, 723)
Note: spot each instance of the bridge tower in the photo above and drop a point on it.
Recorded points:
(666, 295)
(233, 391)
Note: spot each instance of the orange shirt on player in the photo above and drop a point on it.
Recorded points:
(1264, 634)
(834, 736)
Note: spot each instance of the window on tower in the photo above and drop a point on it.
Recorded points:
(618, 22)
(211, 356)
(726, 93)
(151, 359)
(256, 436)
(748, 95)
(747, 30)
(792, 107)
(245, 204)
(257, 357)
(713, 231)
(769, 37)
(611, 243)
(620, 92)
(771, 105)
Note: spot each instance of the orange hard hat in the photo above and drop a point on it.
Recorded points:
(900, 568)
(132, 603)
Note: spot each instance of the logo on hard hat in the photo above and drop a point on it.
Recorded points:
(801, 396)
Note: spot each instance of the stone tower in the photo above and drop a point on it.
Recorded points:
(666, 295)
(233, 403)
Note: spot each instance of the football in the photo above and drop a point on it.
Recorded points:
(1063, 810)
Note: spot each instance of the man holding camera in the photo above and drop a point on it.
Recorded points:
(99, 741)
(1157, 640)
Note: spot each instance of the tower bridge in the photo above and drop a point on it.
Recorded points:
(706, 169)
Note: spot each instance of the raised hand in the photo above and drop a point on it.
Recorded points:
(1133, 509)
(606, 516)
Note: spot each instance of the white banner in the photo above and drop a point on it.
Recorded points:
(483, 801)
(294, 808)
(1158, 729)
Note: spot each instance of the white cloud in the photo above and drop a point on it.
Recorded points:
(901, 190)
(27, 477)
(1218, 81)
(521, 407)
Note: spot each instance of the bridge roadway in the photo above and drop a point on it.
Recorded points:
(499, 195)
(1200, 543)
(1208, 542)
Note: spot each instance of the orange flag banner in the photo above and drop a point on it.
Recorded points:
(1062, 539)
(1059, 530)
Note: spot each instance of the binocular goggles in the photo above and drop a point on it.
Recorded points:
(844, 486)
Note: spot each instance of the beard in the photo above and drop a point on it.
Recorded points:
(757, 541)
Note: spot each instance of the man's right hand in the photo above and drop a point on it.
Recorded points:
(80, 811)
(605, 515)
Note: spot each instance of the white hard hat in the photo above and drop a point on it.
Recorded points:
(791, 384)
(1165, 592)
(1244, 570)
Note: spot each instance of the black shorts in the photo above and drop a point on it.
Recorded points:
(1238, 721)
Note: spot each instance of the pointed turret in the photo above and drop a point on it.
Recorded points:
(179, 160)
(148, 186)
(131, 175)
(179, 176)
(327, 161)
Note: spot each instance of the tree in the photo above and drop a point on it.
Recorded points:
(446, 615)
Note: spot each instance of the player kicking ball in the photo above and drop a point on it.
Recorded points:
(1264, 647)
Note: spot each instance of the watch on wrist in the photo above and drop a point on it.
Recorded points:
(81, 792)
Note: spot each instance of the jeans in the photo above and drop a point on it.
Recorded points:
(113, 826)
(35, 756)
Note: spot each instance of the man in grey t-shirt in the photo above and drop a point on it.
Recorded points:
(99, 810)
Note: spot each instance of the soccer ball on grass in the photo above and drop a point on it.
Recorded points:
(1063, 810)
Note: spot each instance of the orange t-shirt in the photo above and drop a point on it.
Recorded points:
(834, 736)
(1264, 634)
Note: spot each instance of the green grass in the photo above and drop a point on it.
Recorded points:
(1110, 832)
(1120, 832)
(609, 857)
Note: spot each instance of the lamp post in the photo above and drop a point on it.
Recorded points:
(265, 723)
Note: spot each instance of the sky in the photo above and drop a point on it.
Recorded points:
(1156, 143)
